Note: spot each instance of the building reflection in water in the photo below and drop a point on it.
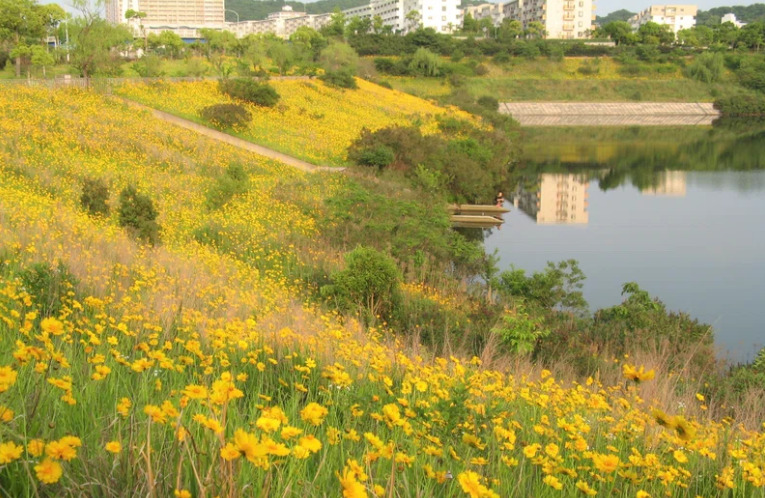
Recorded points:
(669, 183)
(555, 199)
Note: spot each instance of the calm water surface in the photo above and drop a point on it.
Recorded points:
(679, 211)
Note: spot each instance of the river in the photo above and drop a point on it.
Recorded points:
(679, 210)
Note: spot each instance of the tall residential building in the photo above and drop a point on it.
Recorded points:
(562, 19)
(184, 17)
(558, 199)
(444, 16)
(677, 17)
(283, 23)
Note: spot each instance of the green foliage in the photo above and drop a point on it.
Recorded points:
(617, 15)
(519, 331)
(340, 79)
(234, 181)
(558, 286)
(741, 105)
(370, 283)
(379, 157)
(148, 66)
(3, 59)
(95, 196)
(139, 216)
(425, 63)
(249, 90)
(751, 73)
(47, 285)
(95, 43)
(225, 116)
(488, 102)
(707, 67)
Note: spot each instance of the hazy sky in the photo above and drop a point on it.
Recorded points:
(603, 7)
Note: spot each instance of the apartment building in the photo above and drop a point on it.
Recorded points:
(444, 16)
(731, 17)
(557, 199)
(184, 17)
(283, 23)
(677, 17)
(562, 19)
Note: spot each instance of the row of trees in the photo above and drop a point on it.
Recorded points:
(723, 35)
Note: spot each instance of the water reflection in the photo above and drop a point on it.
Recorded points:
(554, 199)
(680, 211)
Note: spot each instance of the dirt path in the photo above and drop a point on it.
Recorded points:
(231, 140)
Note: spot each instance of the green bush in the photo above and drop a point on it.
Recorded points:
(249, 90)
(226, 116)
(707, 67)
(47, 285)
(139, 216)
(488, 102)
(340, 79)
(379, 157)
(149, 66)
(741, 105)
(95, 196)
(370, 282)
(234, 181)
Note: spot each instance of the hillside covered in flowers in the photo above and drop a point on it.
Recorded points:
(203, 363)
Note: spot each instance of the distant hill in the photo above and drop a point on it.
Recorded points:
(617, 15)
(744, 13)
(250, 10)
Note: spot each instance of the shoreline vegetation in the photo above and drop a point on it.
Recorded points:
(182, 317)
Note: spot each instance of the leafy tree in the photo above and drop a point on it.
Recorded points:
(752, 35)
(220, 42)
(225, 116)
(356, 25)
(707, 67)
(41, 58)
(336, 26)
(260, 94)
(469, 24)
(95, 41)
(138, 214)
(617, 15)
(24, 22)
(425, 63)
(509, 30)
(166, 43)
(282, 54)
(620, 32)
(309, 41)
(519, 331)
(535, 30)
(559, 286)
(413, 18)
(652, 33)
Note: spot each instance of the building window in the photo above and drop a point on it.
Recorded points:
(443, 18)
(443, 9)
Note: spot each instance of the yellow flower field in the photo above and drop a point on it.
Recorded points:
(312, 121)
(191, 369)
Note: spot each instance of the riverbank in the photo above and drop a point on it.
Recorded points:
(610, 113)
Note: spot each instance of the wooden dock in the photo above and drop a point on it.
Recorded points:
(476, 215)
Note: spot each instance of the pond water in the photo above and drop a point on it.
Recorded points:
(680, 211)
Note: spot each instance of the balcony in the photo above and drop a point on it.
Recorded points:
(569, 6)
(569, 16)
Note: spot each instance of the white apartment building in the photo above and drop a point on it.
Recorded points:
(283, 23)
(677, 17)
(731, 17)
(562, 19)
(444, 16)
(184, 17)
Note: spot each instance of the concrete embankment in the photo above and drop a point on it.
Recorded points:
(610, 114)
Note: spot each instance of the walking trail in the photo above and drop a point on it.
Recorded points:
(231, 140)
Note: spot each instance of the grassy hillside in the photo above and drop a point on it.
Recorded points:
(201, 367)
(312, 121)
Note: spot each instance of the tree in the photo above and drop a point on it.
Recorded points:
(358, 26)
(377, 24)
(535, 30)
(94, 44)
(752, 35)
(336, 26)
(509, 30)
(24, 22)
(134, 15)
(40, 57)
(620, 32)
(282, 54)
(413, 20)
(425, 62)
(138, 214)
(652, 33)
(469, 24)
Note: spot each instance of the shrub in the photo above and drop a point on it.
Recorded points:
(226, 115)
(488, 102)
(369, 282)
(707, 67)
(379, 156)
(138, 214)
(3, 59)
(340, 79)
(149, 66)
(249, 90)
(47, 285)
(481, 70)
(741, 105)
(234, 181)
(95, 196)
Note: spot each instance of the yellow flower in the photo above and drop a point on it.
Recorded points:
(470, 482)
(60, 451)
(636, 375)
(9, 452)
(6, 414)
(48, 471)
(685, 431)
(123, 407)
(585, 488)
(553, 482)
(605, 463)
(313, 413)
(36, 447)
(680, 456)
(52, 326)
(310, 443)
(289, 432)
(267, 424)
(229, 452)
(7, 378)
(351, 487)
(642, 494)
(182, 493)
(194, 391)
(531, 450)
(249, 445)
(113, 447)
